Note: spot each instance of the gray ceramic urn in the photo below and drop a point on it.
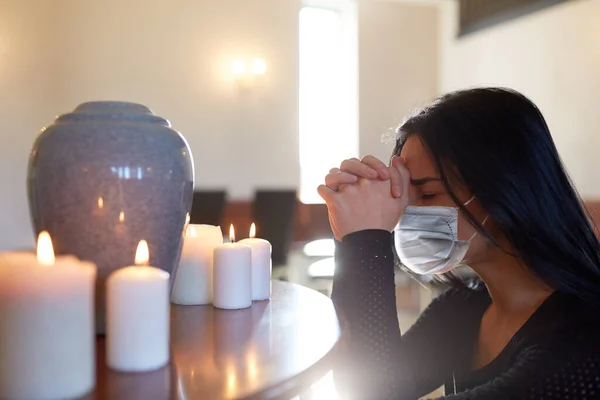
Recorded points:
(106, 176)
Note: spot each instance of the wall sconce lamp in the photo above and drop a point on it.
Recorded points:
(247, 73)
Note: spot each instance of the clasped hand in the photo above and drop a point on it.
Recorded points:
(365, 194)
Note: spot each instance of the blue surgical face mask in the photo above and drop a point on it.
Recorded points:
(426, 239)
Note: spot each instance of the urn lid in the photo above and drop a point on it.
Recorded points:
(112, 111)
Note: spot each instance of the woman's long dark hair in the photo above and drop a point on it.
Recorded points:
(496, 142)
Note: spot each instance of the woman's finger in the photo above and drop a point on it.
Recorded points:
(396, 182)
(355, 167)
(334, 180)
(376, 164)
(404, 175)
(325, 193)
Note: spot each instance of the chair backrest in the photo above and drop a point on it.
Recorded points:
(274, 213)
(208, 207)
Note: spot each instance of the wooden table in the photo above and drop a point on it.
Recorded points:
(273, 350)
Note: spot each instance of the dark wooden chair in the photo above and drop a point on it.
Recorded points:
(274, 213)
(208, 207)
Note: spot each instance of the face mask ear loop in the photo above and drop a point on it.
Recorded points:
(483, 223)
(466, 203)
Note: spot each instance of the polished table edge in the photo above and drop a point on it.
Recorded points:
(283, 390)
(301, 382)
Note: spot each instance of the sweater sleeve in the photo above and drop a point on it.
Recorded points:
(376, 361)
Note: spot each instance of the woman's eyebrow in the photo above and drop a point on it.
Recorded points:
(422, 181)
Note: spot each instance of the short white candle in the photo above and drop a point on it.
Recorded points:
(232, 280)
(194, 278)
(47, 338)
(261, 265)
(137, 316)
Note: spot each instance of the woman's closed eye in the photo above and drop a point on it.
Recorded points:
(428, 196)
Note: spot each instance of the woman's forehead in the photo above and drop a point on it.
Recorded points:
(417, 158)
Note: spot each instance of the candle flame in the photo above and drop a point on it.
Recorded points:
(192, 231)
(187, 219)
(122, 216)
(253, 230)
(231, 234)
(45, 251)
(100, 203)
(142, 254)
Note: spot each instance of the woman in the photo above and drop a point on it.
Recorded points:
(476, 180)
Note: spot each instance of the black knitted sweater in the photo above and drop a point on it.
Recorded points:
(555, 355)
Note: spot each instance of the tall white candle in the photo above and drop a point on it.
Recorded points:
(137, 316)
(261, 265)
(47, 338)
(194, 279)
(232, 279)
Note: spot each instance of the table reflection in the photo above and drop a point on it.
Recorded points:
(275, 349)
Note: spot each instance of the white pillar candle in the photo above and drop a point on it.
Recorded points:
(261, 265)
(137, 316)
(232, 279)
(194, 279)
(47, 338)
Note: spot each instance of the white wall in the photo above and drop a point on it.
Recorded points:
(175, 57)
(28, 62)
(398, 64)
(172, 56)
(553, 57)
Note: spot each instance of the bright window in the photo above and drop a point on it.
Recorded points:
(328, 92)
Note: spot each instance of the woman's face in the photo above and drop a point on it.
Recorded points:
(427, 189)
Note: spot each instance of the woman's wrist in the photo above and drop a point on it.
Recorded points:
(367, 253)
(367, 245)
(369, 234)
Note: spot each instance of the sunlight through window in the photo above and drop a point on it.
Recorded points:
(328, 92)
